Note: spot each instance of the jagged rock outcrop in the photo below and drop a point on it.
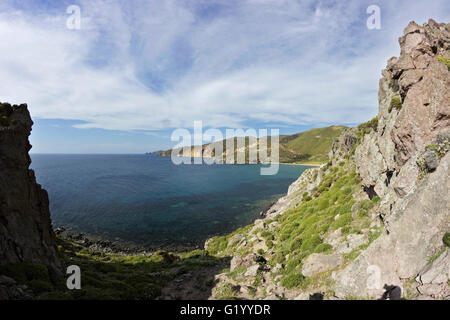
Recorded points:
(433, 279)
(406, 162)
(416, 229)
(413, 109)
(343, 145)
(26, 233)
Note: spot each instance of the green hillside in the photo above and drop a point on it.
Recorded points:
(311, 146)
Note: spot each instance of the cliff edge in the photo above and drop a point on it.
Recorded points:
(405, 162)
(26, 234)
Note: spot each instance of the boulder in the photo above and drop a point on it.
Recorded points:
(352, 242)
(431, 160)
(434, 277)
(438, 271)
(317, 263)
(252, 271)
(302, 296)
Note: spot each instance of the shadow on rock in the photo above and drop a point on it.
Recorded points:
(392, 293)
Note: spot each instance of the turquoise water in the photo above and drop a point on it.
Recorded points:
(147, 200)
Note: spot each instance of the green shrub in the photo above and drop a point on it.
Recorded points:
(295, 244)
(40, 286)
(347, 190)
(345, 229)
(25, 272)
(446, 239)
(396, 103)
(267, 235)
(4, 121)
(363, 213)
(217, 244)
(292, 280)
(365, 128)
(445, 61)
(323, 203)
(93, 281)
(367, 204)
(342, 221)
(323, 247)
(311, 243)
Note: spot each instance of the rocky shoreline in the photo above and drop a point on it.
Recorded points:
(120, 246)
(117, 245)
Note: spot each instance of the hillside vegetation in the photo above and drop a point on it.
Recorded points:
(107, 276)
(311, 146)
(314, 144)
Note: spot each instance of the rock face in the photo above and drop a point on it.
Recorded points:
(343, 145)
(317, 263)
(413, 108)
(406, 162)
(26, 234)
(416, 230)
(434, 278)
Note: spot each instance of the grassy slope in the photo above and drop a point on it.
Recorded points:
(301, 230)
(314, 142)
(108, 276)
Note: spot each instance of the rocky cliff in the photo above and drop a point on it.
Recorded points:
(26, 234)
(374, 222)
(405, 161)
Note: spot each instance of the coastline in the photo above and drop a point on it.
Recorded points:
(119, 246)
(317, 165)
(308, 164)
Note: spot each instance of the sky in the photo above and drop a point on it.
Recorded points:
(134, 71)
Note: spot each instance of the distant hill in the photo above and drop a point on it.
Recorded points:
(311, 146)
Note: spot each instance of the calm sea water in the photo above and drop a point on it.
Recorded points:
(148, 200)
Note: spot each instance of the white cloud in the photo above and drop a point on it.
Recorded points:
(289, 62)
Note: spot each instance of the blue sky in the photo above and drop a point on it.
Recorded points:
(137, 70)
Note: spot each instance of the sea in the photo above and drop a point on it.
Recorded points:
(149, 201)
